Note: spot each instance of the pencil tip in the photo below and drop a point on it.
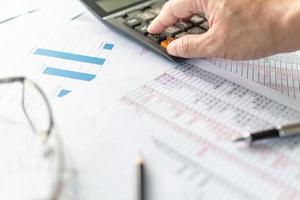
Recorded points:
(140, 159)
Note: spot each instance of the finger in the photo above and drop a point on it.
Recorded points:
(193, 46)
(173, 11)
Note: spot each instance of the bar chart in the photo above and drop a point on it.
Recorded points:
(70, 56)
(68, 74)
(64, 68)
(76, 56)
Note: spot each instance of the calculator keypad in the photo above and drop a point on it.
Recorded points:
(180, 35)
(157, 37)
(166, 42)
(195, 30)
(184, 25)
(196, 20)
(139, 21)
(146, 16)
(155, 9)
(204, 25)
(171, 31)
(142, 29)
(132, 22)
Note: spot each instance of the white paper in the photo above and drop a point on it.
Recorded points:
(9, 12)
(105, 149)
(126, 66)
(48, 10)
(279, 72)
(87, 17)
(195, 114)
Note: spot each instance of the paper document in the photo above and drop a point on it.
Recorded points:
(48, 9)
(78, 54)
(105, 145)
(26, 171)
(194, 113)
(15, 47)
(87, 17)
(280, 72)
(61, 9)
(9, 12)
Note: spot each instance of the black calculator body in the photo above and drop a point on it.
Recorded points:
(132, 18)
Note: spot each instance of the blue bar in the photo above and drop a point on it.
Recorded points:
(108, 46)
(63, 93)
(69, 74)
(69, 56)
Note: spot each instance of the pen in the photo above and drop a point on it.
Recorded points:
(276, 132)
(140, 178)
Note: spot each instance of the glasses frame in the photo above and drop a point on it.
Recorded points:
(24, 81)
(43, 134)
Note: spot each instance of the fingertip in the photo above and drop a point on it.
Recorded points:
(154, 27)
(190, 46)
(171, 48)
(151, 28)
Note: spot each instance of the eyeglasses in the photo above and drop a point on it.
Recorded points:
(34, 166)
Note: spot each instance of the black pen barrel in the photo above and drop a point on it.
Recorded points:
(266, 134)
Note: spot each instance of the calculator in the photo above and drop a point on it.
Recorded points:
(132, 18)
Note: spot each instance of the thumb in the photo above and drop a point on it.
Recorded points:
(192, 46)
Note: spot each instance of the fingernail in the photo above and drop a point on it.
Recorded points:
(171, 48)
(150, 28)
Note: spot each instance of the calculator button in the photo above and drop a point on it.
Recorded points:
(171, 31)
(155, 9)
(132, 22)
(146, 16)
(202, 15)
(119, 19)
(184, 25)
(166, 42)
(204, 25)
(142, 29)
(124, 16)
(158, 4)
(134, 14)
(146, 8)
(196, 20)
(180, 35)
(195, 30)
(157, 37)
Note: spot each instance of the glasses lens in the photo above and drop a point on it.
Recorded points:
(10, 95)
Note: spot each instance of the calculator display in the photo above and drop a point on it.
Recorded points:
(112, 5)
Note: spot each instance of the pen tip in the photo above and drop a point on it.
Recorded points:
(241, 139)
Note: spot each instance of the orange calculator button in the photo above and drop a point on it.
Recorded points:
(166, 42)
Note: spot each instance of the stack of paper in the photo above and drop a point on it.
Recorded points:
(110, 96)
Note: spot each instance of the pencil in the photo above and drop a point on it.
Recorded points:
(140, 178)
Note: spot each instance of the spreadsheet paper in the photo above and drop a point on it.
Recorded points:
(194, 113)
(279, 72)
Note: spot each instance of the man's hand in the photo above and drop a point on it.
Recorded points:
(239, 29)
